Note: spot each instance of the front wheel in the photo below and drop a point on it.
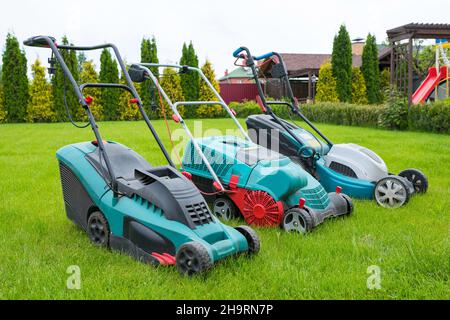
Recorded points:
(298, 220)
(254, 244)
(417, 178)
(98, 229)
(193, 258)
(391, 192)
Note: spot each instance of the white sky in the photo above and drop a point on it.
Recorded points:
(216, 27)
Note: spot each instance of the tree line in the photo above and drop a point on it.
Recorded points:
(51, 99)
(340, 81)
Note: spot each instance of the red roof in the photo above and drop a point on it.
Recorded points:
(299, 64)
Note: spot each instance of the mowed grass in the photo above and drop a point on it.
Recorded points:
(411, 245)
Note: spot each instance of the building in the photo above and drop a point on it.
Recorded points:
(303, 70)
(239, 75)
(238, 85)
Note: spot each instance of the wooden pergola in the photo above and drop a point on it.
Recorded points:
(402, 40)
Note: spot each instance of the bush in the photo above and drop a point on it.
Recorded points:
(244, 109)
(343, 114)
(395, 113)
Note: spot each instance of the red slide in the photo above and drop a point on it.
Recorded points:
(430, 82)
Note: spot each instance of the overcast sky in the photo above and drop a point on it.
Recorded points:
(215, 27)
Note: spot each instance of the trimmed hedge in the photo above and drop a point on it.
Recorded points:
(433, 117)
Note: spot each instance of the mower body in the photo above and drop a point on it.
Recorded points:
(354, 168)
(157, 211)
(256, 176)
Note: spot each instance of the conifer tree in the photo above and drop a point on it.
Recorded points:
(89, 75)
(109, 98)
(385, 83)
(359, 92)
(371, 70)
(206, 94)
(62, 87)
(15, 81)
(149, 54)
(2, 106)
(341, 62)
(190, 82)
(128, 111)
(40, 107)
(326, 86)
(171, 83)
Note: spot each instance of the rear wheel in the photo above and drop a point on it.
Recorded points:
(298, 220)
(193, 258)
(224, 209)
(254, 244)
(350, 206)
(98, 229)
(391, 192)
(417, 178)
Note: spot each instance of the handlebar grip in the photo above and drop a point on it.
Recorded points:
(264, 56)
(39, 41)
(237, 52)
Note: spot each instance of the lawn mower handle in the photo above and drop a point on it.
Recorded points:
(237, 53)
(39, 42)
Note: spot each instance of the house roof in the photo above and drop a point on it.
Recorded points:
(239, 73)
(300, 64)
(419, 31)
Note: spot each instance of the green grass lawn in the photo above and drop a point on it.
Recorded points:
(411, 245)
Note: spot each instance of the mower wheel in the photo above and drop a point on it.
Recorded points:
(350, 206)
(193, 258)
(98, 229)
(224, 209)
(298, 220)
(391, 192)
(417, 178)
(254, 244)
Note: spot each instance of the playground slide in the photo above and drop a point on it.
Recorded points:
(428, 85)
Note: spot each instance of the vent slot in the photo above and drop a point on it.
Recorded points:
(316, 198)
(196, 162)
(343, 169)
(144, 178)
(199, 213)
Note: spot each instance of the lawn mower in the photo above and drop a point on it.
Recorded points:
(359, 171)
(155, 214)
(241, 178)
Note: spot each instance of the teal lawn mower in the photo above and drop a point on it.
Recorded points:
(240, 178)
(359, 171)
(155, 214)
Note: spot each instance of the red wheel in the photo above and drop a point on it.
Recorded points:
(261, 209)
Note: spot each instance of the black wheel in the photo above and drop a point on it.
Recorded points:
(193, 258)
(98, 229)
(417, 178)
(350, 206)
(224, 209)
(254, 244)
(391, 192)
(298, 220)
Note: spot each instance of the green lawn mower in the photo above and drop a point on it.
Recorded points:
(238, 177)
(155, 214)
